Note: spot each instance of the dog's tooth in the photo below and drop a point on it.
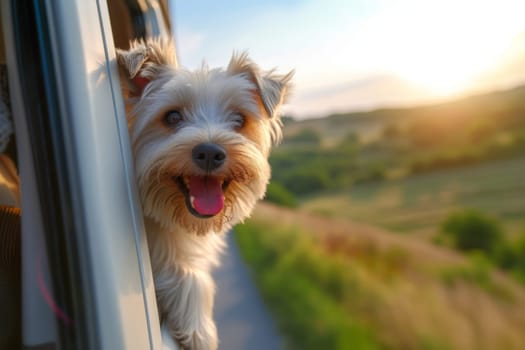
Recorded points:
(192, 199)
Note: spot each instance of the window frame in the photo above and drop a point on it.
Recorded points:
(82, 232)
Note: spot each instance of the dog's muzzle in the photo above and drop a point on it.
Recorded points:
(205, 193)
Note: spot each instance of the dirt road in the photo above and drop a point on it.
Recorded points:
(242, 319)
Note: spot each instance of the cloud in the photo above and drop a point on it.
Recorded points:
(364, 94)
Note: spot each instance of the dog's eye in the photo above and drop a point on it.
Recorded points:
(172, 119)
(238, 120)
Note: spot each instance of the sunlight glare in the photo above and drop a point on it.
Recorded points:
(443, 46)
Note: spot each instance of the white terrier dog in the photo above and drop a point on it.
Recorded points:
(201, 140)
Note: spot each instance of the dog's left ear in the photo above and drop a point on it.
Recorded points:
(270, 87)
(145, 60)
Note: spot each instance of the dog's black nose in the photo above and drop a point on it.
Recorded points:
(208, 156)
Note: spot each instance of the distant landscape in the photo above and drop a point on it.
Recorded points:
(420, 162)
(403, 228)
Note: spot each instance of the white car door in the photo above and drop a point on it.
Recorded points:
(87, 281)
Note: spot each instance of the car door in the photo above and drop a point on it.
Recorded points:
(86, 276)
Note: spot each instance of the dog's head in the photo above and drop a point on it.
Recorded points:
(200, 138)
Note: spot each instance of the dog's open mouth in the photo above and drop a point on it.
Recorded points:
(204, 194)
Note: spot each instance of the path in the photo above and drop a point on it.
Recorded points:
(242, 319)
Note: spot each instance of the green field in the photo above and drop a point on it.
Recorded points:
(405, 169)
(332, 284)
(450, 178)
(420, 203)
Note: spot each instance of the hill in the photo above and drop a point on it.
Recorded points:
(336, 271)
(336, 284)
(341, 150)
(423, 166)
(507, 107)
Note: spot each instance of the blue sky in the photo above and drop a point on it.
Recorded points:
(362, 54)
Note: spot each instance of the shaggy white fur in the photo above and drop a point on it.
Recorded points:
(190, 197)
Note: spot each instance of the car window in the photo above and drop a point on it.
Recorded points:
(86, 277)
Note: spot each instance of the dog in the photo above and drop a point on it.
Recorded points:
(201, 141)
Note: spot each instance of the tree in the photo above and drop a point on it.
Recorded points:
(278, 194)
(470, 230)
(305, 135)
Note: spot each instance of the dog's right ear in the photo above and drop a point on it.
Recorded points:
(144, 61)
(271, 88)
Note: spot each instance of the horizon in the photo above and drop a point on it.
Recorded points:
(435, 103)
(354, 56)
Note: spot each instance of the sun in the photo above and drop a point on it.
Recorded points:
(448, 60)
(446, 63)
(445, 47)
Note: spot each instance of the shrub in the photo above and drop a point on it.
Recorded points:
(519, 251)
(478, 272)
(305, 136)
(349, 141)
(392, 131)
(303, 287)
(278, 194)
(470, 230)
(372, 173)
(511, 256)
(329, 290)
(307, 181)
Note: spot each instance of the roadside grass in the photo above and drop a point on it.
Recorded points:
(420, 203)
(335, 285)
(303, 293)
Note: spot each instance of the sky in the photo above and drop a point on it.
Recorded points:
(353, 55)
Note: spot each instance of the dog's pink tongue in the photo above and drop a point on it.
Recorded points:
(207, 194)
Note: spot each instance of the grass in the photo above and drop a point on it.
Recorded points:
(420, 203)
(332, 284)
(332, 271)
(305, 303)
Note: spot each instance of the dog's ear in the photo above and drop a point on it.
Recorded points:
(145, 60)
(271, 88)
